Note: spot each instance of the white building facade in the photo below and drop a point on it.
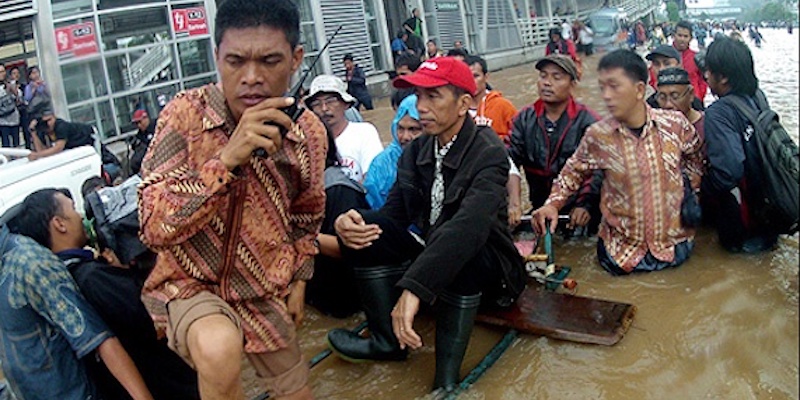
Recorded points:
(103, 59)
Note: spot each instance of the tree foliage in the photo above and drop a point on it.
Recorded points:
(770, 11)
(673, 13)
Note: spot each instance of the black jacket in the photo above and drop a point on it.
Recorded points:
(474, 211)
(140, 143)
(415, 43)
(542, 156)
(115, 295)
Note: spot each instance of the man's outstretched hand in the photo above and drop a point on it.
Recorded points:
(354, 233)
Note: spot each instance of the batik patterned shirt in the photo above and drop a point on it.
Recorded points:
(186, 207)
(642, 189)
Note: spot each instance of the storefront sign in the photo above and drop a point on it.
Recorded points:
(76, 40)
(189, 21)
(447, 5)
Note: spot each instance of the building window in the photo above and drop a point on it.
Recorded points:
(69, 8)
(149, 100)
(140, 58)
(196, 57)
(17, 47)
(109, 4)
(83, 81)
(308, 38)
(133, 28)
(141, 67)
(376, 42)
(97, 114)
(194, 83)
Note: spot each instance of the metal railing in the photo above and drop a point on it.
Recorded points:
(147, 67)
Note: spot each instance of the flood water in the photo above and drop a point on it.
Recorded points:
(721, 326)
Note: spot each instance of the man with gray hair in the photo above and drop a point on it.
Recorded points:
(358, 142)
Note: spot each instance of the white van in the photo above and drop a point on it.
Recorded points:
(20, 177)
(606, 24)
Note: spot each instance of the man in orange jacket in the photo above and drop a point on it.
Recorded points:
(490, 108)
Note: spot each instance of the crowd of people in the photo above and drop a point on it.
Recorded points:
(329, 217)
(22, 104)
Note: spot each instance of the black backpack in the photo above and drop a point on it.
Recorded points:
(780, 163)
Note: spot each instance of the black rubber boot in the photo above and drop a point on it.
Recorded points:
(378, 297)
(455, 318)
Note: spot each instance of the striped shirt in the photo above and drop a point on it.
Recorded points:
(186, 207)
(642, 189)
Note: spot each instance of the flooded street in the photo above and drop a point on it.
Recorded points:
(721, 326)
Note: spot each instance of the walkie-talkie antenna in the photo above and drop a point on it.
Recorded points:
(296, 89)
(294, 111)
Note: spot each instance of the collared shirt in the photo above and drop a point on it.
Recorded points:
(437, 190)
(642, 187)
(186, 205)
(46, 326)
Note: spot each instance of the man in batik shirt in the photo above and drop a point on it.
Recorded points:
(235, 230)
(643, 153)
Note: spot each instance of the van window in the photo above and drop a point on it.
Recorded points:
(604, 26)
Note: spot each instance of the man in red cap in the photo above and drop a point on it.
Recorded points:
(441, 238)
(146, 129)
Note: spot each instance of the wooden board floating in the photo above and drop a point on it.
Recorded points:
(564, 316)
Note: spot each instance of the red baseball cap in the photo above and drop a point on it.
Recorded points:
(139, 115)
(437, 72)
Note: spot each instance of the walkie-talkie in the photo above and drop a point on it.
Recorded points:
(294, 111)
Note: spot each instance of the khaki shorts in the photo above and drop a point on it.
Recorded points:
(284, 371)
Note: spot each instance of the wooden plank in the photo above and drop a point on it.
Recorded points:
(564, 316)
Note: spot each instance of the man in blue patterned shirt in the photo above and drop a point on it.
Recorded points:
(47, 327)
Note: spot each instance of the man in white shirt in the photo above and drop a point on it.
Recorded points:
(586, 39)
(357, 142)
(566, 30)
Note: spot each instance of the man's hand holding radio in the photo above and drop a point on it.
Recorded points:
(259, 128)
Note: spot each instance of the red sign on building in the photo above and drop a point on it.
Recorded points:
(189, 21)
(76, 40)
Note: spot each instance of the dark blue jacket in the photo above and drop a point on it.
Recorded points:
(732, 155)
(734, 163)
(357, 85)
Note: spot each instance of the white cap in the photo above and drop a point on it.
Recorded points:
(329, 84)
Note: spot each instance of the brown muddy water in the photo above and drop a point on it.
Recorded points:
(721, 326)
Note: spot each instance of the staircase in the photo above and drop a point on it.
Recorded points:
(147, 67)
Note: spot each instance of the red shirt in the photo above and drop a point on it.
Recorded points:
(695, 75)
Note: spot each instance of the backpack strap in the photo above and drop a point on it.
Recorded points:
(745, 109)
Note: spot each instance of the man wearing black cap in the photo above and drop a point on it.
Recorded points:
(665, 56)
(445, 219)
(675, 93)
(547, 132)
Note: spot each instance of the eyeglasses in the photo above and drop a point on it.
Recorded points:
(661, 97)
(328, 101)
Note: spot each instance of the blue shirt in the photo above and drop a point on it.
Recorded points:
(398, 45)
(46, 326)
